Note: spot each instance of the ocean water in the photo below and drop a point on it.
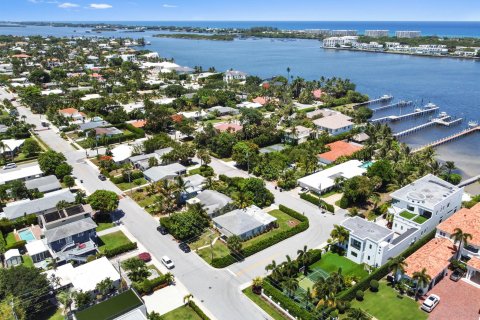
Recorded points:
(452, 84)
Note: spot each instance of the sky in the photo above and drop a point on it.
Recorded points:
(240, 10)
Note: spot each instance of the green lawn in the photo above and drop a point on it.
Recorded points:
(330, 262)
(10, 238)
(420, 219)
(58, 315)
(282, 219)
(194, 171)
(203, 239)
(52, 313)
(268, 308)
(113, 240)
(183, 313)
(219, 250)
(104, 225)
(387, 304)
(27, 261)
(135, 183)
(143, 199)
(329, 193)
(111, 308)
(407, 215)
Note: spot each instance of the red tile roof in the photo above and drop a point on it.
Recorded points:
(260, 100)
(467, 220)
(434, 256)
(68, 111)
(139, 123)
(21, 56)
(228, 127)
(339, 149)
(317, 93)
(474, 263)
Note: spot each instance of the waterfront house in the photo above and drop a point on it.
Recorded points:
(338, 149)
(234, 75)
(340, 42)
(334, 124)
(245, 223)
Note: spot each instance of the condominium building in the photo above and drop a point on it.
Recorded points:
(408, 34)
(343, 33)
(334, 42)
(376, 33)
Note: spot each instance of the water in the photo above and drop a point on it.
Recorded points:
(452, 84)
(26, 235)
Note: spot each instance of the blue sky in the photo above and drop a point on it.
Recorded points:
(315, 10)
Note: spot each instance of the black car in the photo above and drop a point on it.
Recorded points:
(162, 230)
(102, 177)
(184, 247)
(456, 275)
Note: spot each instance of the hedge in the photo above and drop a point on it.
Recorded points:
(197, 310)
(383, 270)
(7, 226)
(286, 302)
(2, 243)
(148, 286)
(268, 242)
(317, 201)
(109, 253)
(134, 175)
(16, 245)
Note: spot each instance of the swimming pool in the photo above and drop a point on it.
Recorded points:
(367, 164)
(26, 235)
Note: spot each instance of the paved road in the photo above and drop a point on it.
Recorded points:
(219, 290)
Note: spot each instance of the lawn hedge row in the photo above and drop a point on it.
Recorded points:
(148, 286)
(286, 302)
(7, 226)
(197, 310)
(134, 175)
(381, 272)
(268, 242)
(109, 253)
(317, 201)
(16, 245)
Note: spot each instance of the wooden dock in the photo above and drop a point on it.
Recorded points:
(405, 116)
(400, 104)
(378, 100)
(448, 139)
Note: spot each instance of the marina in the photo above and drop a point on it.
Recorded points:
(449, 138)
(399, 104)
(429, 108)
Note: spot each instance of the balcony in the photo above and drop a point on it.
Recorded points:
(418, 219)
(77, 251)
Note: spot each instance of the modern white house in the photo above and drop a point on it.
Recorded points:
(234, 75)
(334, 124)
(298, 134)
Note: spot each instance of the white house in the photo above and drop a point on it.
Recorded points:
(336, 42)
(334, 124)
(234, 75)
(24, 173)
(13, 258)
(298, 134)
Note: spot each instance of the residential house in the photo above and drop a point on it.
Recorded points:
(37, 250)
(142, 161)
(12, 258)
(44, 184)
(107, 132)
(212, 201)
(234, 75)
(93, 124)
(169, 171)
(297, 135)
(249, 105)
(222, 111)
(23, 174)
(194, 184)
(72, 113)
(11, 147)
(227, 127)
(245, 223)
(338, 149)
(334, 124)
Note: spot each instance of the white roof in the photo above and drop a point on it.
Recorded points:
(91, 96)
(86, 276)
(121, 153)
(193, 114)
(22, 173)
(326, 179)
(63, 274)
(12, 144)
(35, 247)
(249, 105)
(133, 106)
(163, 101)
(53, 91)
(12, 253)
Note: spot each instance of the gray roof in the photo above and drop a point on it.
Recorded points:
(70, 229)
(194, 182)
(213, 200)
(223, 110)
(44, 184)
(426, 191)
(93, 125)
(163, 172)
(142, 157)
(48, 202)
(364, 229)
(164, 151)
(241, 221)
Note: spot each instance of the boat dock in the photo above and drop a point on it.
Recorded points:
(441, 120)
(406, 116)
(383, 98)
(444, 122)
(399, 104)
(448, 139)
(469, 181)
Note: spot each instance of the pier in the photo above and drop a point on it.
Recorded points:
(406, 116)
(399, 104)
(383, 98)
(469, 181)
(448, 139)
(441, 120)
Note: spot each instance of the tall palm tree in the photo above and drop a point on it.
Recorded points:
(304, 257)
(450, 166)
(291, 285)
(242, 199)
(66, 299)
(422, 279)
(288, 73)
(462, 238)
(309, 297)
(397, 265)
(272, 266)
(339, 234)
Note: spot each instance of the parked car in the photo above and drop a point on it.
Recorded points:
(102, 177)
(167, 262)
(9, 166)
(430, 303)
(457, 274)
(145, 256)
(162, 230)
(184, 247)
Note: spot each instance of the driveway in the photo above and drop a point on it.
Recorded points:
(458, 300)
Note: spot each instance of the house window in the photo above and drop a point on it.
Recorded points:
(410, 208)
(356, 244)
(368, 258)
(354, 253)
(370, 246)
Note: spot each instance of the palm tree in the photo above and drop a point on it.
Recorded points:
(104, 287)
(422, 279)
(375, 198)
(291, 285)
(462, 238)
(187, 298)
(257, 284)
(357, 314)
(397, 265)
(66, 299)
(169, 277)
(450, 166)
(304, 257)
(288, 73)
(339, 234)
(309, 297)
(242, 199)
(272, 266)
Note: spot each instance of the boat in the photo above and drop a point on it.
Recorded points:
(417, 110)
(443, 114)
(473, 124)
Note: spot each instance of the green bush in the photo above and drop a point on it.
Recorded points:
(343, 203)
(317, 201)
(268, 242)
(359, 295)
(148, 286)
(285, 302)
(2, 244)
(7, 226)
(16, 245)
(109, 253)
(374, 285)
(197, 310)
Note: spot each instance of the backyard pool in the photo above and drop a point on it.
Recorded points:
(367, 164)
(26, 235)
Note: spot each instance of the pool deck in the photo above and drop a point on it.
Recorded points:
(35, 230)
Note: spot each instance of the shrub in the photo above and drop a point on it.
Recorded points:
(197, 310)
(317, 201)
(16, 245)
(149, 286)
(286, 303)
(7, 226)
(359, 295)
(343, 203)
(109, 253)
(374, 285)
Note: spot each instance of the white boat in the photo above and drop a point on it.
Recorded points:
(417, 110)
(443, 114)
(472, 124)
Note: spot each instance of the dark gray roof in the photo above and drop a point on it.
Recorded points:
(70, 229)
(364, 229)
(44, 184)
(142, 157)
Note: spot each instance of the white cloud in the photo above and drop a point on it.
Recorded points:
(68, 5)
(100, 6)
(169, 6)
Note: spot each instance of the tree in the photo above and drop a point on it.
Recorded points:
(62, 170)
(339, 234)
(105, 286)
(30, 147)
(39, 76)
(152, 162)
(450, 166)
(362, 114)
(136, 268)
(18, 190)
(186, 225)
(11, 309)
(290, 285)
(234, 244)
(187, 298)
(69, 181)
(50, 160)
(103, 200)
(357, 189)
(304, 257)
(383, 169)
(65, 297)
(462, 238)
(257, 284)
(204, 156)
(397, 266)
(30, 285)
(244, 153)
(242, 199)
(82, 299)
(422, 279)
(357, 314)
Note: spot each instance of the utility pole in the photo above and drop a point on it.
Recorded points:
(211, 246)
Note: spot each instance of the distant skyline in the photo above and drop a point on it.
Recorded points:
(244, 10)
